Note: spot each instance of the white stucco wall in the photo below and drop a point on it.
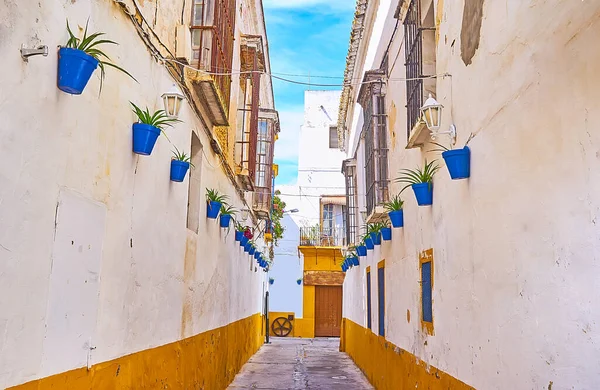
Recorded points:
(72, 191)
(515, 246)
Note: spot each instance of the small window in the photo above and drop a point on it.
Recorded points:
(381, 297)
(328, 220)
(426, 261)
(333, 137)
(368, 298)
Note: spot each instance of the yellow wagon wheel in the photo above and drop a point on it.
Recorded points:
(281, 326)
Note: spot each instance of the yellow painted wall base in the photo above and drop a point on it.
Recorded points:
(390, 367)
(208, 361)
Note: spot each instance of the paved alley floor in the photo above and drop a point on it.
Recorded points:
(292, 363)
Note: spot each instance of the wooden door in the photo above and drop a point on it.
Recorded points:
(328, 311)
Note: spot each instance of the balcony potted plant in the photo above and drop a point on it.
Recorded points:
(458, 161)
(395, 211)
(368, 241)
(180, 163)
(271, 280)
(148, 128)
(386, 231)
(361, 249)
(214, 200)
(421, 181)
(299, 281)
(79, 58)
(226, 213)
(374, 231)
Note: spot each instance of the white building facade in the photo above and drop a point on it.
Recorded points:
(492, 286)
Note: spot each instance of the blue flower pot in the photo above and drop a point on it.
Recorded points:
(257, 255)
(75, 68)
(386, 233)
(423, 193)
(239, 235)
(271, 281)
(376, 238)
(397, 218)
(144, 138)
(361, 250)
(458, 162)
(299, 281)
(178, 170)
(247, 247)
(369, 243)
(244, 240)
(225, 220)
(355, 261)
(212, 209)
(252, 251)
(344, 268)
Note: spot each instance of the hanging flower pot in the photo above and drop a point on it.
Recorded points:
(271, 280)
(344, 268)
(386, 233)
(244, 240)
(299, 281)
(257, 255)
(252, 251)
(369, 243)
(361, 250)
(178, 170)
(397, 218)
(75, 68)
(458, 162)
(355, 261)
(247, 247)
(423, 193)
(238, 235)
(376, 238)
(144, 138)
(212, 209)
(225, 220)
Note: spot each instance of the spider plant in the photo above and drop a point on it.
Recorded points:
(214, 196)
(395, 204)
(158, 119)
(182, 156)
(418, 175)
(90, 45)
(227, 209)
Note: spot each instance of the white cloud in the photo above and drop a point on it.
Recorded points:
(293, 4)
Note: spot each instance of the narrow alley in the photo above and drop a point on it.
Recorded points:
(294, 363)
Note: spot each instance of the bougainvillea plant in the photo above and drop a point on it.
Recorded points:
(248, 233)
(276, 216)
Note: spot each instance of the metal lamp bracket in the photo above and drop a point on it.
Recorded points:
(40, 50)
(451, 132)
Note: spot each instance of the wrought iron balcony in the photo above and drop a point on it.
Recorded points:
(334, 236)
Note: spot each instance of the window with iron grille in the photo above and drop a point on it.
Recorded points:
(333, 137)
(375, 133)
(213, 28)
(418, 37)
(381, 298)
(267, 127)
(351, 209)
(327, 219)
(368, 298)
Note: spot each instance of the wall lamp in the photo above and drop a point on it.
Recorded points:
(172, 100)
(432, 113)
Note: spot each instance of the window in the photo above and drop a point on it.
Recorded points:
(328, 220)
(333, 137)
(426, 261)
(419, 44)
(369, 297)
(351, 209)
(381, 297)
(213, 26)
(263, 172)
(194, 189)
(372, 100)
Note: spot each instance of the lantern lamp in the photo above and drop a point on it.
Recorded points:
(431, 112)
(172, 100)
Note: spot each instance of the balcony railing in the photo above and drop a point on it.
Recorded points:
(323, 236)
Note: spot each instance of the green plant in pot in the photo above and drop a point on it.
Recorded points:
(421, 181)
(80, 57)
(374, 231)
(214, 200)
(458, 161)
(395, 211)
(226, 214)
(148, 127)
(180, 163)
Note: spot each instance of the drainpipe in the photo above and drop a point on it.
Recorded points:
(267, 317)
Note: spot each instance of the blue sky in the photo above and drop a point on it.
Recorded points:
(305, 36)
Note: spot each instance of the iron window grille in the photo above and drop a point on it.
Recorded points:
(413, 44)
(262, 175)
(351, 209)
(213, 29)
(333, 137)
(372, 99)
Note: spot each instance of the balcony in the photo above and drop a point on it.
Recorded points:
(334, 236)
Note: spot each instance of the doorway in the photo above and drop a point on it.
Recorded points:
(328, 311)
